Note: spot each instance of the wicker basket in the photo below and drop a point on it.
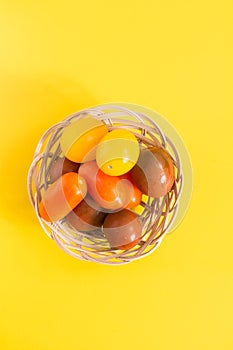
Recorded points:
(157, 215)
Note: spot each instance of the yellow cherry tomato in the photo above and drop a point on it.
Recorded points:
(117, 152)
(79, 139)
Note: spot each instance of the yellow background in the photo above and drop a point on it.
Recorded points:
(172, 56)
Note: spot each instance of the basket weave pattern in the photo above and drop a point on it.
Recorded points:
(157, 214)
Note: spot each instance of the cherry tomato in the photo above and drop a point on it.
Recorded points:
(154, 172)
(108, 191)
(122, 229)
(87, 216)
(79, 139)
(62, 166)
(117, 152)
(137, 194)
(139, 209)
(62, 196)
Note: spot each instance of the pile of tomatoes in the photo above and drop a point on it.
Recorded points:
(101, 178)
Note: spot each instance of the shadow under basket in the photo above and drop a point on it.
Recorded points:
(157, 214)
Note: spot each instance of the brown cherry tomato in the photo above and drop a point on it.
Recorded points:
(123, 229)
(62, 166)
(154, 172)
(62, 196)
(87, 216)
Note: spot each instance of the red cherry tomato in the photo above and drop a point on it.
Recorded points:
(62, 196)
(108, 191)
(137, 194)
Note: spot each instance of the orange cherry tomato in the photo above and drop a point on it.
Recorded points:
(80, 138)
(62, 196)
(137, 194)
(108, 191)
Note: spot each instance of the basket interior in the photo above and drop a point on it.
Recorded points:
(157, 214)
